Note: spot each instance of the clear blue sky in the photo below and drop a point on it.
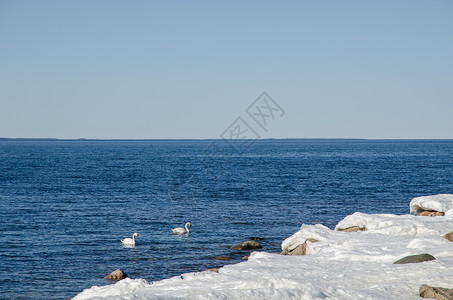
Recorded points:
(188, 69)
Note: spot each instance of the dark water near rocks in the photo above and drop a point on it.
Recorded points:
(65, 205)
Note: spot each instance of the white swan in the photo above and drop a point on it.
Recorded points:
(181, 230)
(130, 241)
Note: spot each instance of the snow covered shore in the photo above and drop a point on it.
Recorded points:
(340, 265)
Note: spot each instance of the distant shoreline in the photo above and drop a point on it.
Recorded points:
(218, 139)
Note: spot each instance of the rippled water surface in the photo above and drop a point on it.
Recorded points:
(65, 205)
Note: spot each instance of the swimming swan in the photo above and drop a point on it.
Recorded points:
(130, 241)
(181, 230)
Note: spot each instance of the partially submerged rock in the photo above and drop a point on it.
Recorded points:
(222, 257)
(352, 229)
(438, 293)
(411, 259)
(256, 238)
(247, 246)
(116, 275)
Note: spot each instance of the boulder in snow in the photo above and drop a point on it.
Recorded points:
(299, 250)
(440, 203)
(439, 293)
(411, 259)
(352, 229)
(215, 270)
(430, 213)
(306, 232)
(449, 236)
(116, 275)
(302, 249)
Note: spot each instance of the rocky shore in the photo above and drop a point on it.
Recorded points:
(366, 256)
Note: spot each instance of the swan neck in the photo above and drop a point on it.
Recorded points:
(187, 228)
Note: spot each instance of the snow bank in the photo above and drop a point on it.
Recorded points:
(342, 265)
(405, 225)
(387, 238)
(442, 203)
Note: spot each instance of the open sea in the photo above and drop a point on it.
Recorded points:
(65, 205)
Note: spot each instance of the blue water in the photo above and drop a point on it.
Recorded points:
(65, 205)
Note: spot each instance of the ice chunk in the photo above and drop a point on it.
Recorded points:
(441, 202)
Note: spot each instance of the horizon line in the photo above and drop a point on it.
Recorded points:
(214, 139)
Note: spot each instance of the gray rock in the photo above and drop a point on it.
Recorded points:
(411, 259)
(302, 249)
(449, 236)
(247, 245)
(352, 229)
(299, 250)
(438, 293)
(116, 275)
